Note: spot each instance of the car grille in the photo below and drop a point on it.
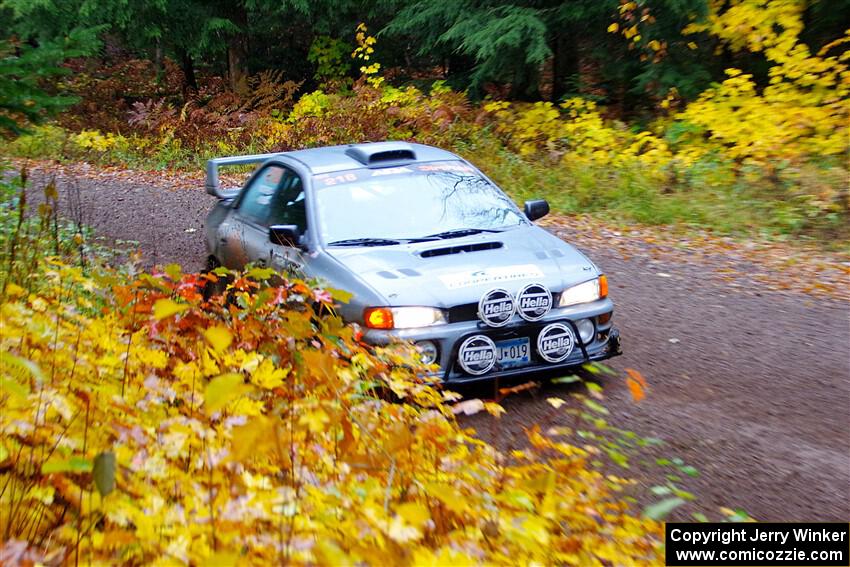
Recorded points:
(465, 312)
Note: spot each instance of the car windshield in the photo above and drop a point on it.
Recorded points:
(435, 200)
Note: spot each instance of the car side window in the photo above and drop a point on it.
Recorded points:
(255, 202)
(288, 205)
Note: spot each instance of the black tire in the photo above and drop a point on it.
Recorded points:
(211, 289)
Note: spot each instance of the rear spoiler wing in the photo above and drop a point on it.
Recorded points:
(213, 184)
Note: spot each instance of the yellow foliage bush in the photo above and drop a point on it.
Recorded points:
(578, 133)
(315, 103)
(774, 135)
(41, 140)
(800, 117)
(140, 424)
(803, 114)
(94, 140)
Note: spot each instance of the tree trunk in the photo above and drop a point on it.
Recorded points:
(237, 51)
(157, 61)
(236, 65)
(564, 64)
(190, 82)
(526, 84)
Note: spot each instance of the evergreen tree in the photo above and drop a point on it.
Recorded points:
(25, 70)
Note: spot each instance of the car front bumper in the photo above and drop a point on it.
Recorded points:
(448, 338)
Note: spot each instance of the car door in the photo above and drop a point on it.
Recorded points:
(288, 207)
(244, 237)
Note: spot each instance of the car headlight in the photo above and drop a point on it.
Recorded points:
(585, 292)
(402, 317)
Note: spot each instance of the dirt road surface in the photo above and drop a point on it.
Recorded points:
(750, 386)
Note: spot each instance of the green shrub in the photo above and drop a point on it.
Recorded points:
(46, 141)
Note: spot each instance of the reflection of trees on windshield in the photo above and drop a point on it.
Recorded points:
(412, 203)
(462, 195)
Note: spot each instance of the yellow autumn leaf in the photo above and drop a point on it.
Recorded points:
(219, 337)
(19, 368)
(209, 367)
(224, 559)
(223, 389)
(537, 528)
(340, 294)
(14, 290)
(166, 308)
(9, 386)
(494, 409)
(153, 358)
(414, 513)
(314, 419)
(245, 406)
(258, 437)
(613, 28)
(329, 553)
(267, 376)
(449, 496)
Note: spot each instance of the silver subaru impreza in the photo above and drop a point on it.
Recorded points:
(431, 249)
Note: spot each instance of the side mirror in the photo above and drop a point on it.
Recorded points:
(536, 209)
(285, 235)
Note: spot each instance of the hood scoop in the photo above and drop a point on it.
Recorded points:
(472, 247)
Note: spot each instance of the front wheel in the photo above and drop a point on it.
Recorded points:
(213, 288)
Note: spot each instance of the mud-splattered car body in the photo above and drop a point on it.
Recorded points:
(432, 251)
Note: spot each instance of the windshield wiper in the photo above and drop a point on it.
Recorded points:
(381, 241)
(365, 242)
(458, 232)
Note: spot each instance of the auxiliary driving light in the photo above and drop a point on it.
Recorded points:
(427, 352)
(586, 330)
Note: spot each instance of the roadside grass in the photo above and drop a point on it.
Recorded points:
(710, 199)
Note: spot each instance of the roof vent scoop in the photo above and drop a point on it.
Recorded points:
(382, 154)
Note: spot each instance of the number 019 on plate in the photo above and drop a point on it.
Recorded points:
(513, 353)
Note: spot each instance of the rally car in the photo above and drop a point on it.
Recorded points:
(431, 249)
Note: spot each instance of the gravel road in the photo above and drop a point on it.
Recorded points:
(750, 387)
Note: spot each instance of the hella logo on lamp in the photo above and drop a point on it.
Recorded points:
(533, 302)
(477, 355)
(496, 307)
(555, 342)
